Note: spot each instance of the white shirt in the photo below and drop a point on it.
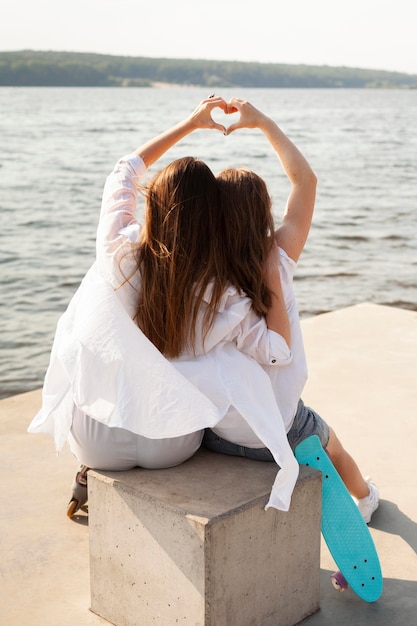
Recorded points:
(287, 382)
(104, 365)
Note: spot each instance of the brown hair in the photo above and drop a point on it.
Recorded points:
(179, 255)
(249, 230)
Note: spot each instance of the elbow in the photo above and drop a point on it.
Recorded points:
(307, 181)
(281, 360)
(312, 178)
(310, 184)
(280, 350)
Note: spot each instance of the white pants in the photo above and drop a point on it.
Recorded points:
(100, 447)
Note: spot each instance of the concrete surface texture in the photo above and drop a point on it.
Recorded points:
(363, 372)
(192, 545)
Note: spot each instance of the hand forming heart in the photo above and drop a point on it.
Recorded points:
(225, 119)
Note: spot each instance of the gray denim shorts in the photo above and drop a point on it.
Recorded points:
(306, 422)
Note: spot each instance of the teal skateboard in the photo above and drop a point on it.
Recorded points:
(344, 530)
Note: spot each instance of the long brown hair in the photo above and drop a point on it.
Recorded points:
(248, 233)
(179, 255)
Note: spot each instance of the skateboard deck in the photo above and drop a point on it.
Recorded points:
(343, 528)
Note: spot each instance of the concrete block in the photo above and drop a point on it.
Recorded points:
(193, 545)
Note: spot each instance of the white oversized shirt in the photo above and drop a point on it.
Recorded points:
(105, 366)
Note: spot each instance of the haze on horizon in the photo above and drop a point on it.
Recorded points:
(371, 34)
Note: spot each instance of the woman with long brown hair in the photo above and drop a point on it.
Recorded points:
(166, 332)
(249, 207)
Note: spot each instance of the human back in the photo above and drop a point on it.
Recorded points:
(249, 207)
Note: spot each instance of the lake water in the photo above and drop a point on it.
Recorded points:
(58, 145)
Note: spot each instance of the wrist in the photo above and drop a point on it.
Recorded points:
(189, 123)
(266, 123)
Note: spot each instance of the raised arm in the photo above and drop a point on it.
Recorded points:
(293, 232)
(277, 315)
(152, 150)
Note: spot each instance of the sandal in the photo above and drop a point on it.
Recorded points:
(79, 491)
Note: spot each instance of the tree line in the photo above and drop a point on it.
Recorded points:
(29, 68)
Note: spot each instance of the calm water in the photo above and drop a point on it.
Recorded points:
(57, 146)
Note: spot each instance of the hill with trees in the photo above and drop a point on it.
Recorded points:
(77, 69)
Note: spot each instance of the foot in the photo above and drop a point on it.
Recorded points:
(79, 491)
(370, 503)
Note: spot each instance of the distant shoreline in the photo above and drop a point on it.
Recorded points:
(29, 68)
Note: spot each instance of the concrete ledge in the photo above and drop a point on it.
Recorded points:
(194, 545)
(363, 372)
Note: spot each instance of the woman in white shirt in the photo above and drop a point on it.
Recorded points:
(161, 339)
(247, 197)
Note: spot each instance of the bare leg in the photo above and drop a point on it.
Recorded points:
(347, 468)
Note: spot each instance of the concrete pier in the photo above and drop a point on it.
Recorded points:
(363, 373)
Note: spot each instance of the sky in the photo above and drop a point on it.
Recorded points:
(372, 34)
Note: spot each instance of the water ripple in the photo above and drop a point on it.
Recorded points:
(363, 242)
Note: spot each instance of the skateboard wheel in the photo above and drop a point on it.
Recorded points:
(339, 581)
(72, 508)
